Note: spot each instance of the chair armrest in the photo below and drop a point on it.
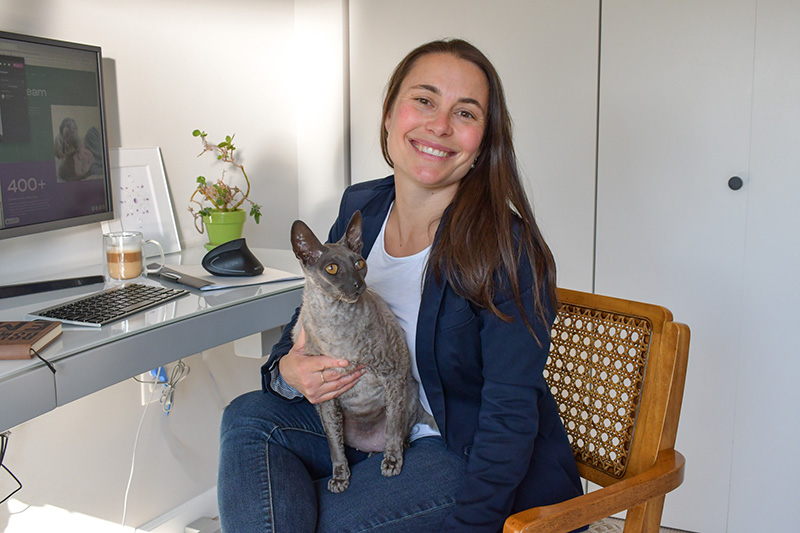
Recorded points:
(665, 475)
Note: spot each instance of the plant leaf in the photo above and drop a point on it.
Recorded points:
(255, 212)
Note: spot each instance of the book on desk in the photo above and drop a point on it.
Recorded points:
(22, 339)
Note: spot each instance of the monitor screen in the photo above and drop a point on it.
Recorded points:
(54, 170)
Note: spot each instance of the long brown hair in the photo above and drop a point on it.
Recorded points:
(490, 201)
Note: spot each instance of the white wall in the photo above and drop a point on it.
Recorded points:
(321, 91)
(172, 67)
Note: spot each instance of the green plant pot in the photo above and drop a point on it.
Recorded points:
(224, 226)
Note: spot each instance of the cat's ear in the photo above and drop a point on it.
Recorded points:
(305, 244)
(352, 236)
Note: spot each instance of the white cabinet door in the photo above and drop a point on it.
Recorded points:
(765, 450)
(546, 54)
(674, 126)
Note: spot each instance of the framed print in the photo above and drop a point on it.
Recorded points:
(142, 197)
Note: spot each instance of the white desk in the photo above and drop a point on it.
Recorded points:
(90, 359)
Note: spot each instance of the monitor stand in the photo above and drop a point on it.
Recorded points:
(33, 287)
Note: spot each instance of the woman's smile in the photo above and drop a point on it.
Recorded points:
(430, 150)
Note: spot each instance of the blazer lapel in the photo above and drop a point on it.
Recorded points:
(373, 214)
(432, 297)
(427, 321)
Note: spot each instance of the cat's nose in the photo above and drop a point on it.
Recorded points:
(359, 286)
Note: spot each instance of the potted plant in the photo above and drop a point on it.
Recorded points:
(216, 206)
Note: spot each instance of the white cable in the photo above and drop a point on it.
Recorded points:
(178, 374)
(133, 459)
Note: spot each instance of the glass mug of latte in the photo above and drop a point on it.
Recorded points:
(124, 255)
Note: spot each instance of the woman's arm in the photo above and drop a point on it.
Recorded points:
(271, 380)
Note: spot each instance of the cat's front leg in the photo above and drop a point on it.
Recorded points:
(396, 425)
(330, 413)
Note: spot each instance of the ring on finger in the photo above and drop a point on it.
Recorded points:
(321, 375)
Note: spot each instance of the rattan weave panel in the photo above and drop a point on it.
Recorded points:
(595, 372)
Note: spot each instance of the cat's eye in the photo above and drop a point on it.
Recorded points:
(360, 264)
(332, 268)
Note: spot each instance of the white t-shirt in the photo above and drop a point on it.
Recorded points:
(398, 280)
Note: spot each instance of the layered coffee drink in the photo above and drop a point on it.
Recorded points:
(124, 264)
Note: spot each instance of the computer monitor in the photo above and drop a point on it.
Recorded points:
(54, 170)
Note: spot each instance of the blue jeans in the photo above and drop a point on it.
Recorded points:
(275, 464)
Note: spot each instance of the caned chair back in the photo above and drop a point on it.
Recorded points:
(616, 369)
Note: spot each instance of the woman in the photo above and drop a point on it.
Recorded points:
(453, 247)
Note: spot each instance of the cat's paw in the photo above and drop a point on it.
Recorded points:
(338, 485)
(392, 464)
(340, 479)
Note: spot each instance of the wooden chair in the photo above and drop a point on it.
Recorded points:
(616, 369)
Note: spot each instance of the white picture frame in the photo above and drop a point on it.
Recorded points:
(141, 196)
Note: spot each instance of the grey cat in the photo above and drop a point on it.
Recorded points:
(342, 318)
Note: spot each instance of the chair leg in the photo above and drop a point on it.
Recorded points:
(646, 517)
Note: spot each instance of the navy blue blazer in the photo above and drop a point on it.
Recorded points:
(483, 378)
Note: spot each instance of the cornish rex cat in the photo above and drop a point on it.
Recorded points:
(344, 319)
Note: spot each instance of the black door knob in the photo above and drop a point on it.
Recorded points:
(735, 183)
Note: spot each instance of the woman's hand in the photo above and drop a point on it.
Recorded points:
(317, 377)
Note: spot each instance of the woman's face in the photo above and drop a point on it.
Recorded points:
(436, 124)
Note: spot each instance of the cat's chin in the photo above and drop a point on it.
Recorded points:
(348, 299)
